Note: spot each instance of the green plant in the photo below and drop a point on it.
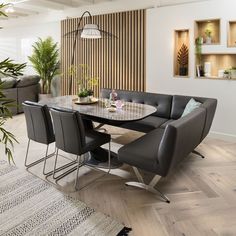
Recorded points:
(198, 49)
(7, 68)
(83, 93)
(45, 60)
(208, 33)
(85, 80)
(183, 56)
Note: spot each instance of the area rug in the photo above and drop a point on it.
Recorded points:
(31, 206)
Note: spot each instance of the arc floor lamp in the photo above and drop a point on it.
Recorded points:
(88, 31)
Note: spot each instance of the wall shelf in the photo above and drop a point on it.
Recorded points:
(181, 45)
(219, 61)
(232, 34)
(210, 24)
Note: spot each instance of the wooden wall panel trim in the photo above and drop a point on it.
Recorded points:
(119, 63)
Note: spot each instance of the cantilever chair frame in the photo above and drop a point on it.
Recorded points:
(79, 162)
(43, 159)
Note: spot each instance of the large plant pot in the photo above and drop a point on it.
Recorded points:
(43, 97)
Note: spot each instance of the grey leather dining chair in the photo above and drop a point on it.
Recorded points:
(72, 137)
(39, 129)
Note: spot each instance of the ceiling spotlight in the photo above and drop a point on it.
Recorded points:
(10, 8)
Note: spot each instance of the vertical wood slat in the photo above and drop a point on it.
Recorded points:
(119, 63)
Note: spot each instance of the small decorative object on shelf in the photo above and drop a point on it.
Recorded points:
(209, 29)
(208, 33)
(182, 59)
(207, 69)
(221, 73)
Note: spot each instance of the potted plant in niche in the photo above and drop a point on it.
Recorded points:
(45, 60)
(7, 68)
(208, 33)
(86, 82)
(198, 52)
(182, 59)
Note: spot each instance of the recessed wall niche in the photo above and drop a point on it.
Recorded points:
(181, 53)
(219, 64)
(232, 34)
(209, 30)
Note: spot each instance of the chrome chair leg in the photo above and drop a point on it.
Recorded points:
(39, 160)
(109, 158)
(149, 187)
(77, 172)
(106, 173)
(57, 178)
(55, 164)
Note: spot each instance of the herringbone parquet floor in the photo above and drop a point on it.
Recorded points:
(202, 191)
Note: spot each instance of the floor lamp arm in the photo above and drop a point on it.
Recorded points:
(74, 47)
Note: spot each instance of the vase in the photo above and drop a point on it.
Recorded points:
(208, 40)
(233, 74)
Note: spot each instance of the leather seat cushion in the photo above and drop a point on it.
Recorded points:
(142, 152)
(145, 125)
(163, 126)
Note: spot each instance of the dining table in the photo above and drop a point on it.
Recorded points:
(97, 110)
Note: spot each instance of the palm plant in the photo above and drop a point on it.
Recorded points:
(182, 58)
(45, 60)
(7, 68)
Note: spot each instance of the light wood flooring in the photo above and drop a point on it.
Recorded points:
(202, 191)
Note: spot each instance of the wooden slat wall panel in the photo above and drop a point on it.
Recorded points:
(119, 63)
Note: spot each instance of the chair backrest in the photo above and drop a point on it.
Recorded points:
(69, 130)
(180, 138)
(38, 122)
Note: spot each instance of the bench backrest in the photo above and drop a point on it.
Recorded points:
(180, 138)
(161, 101)
(179, 103)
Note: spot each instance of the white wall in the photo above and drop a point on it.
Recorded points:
(161, 23)
(16, 42)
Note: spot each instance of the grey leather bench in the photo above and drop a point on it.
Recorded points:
(170, 137)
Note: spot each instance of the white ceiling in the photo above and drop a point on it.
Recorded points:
(24, 8)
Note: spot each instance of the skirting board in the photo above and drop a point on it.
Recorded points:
(222, 136)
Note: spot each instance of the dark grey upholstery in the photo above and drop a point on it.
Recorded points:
(146, 125)
(161, 101)
(170, 137)
(38, 122)
(162, 149)
(169, 108)
(25, 81)
(29, 93)
(179, 103)
(23, 88)
(11, 93)
(71, 135)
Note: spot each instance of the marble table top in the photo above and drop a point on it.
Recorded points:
(129, 112)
